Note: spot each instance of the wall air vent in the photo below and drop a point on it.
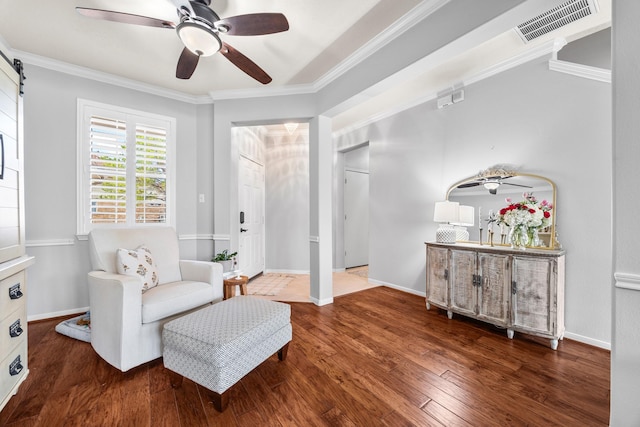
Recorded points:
(555, 18)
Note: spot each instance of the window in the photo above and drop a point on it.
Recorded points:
(125, 163)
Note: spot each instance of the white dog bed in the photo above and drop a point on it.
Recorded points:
(78, 327)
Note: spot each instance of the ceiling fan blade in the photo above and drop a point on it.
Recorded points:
(254, 24)
(245, 64)
(517, 185)
(127, 18)
(469, 184)
(186, 64)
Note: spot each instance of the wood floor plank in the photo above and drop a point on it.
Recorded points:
(376, 357)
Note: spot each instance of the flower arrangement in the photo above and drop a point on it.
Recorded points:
(525, 219)
(527, 212)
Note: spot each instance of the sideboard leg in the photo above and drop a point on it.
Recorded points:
(428, 306)
(450, 314)
(510, 333)
(554, 344)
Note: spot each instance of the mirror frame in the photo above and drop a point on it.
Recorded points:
(504, 174)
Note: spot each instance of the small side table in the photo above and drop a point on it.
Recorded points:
(231, 283)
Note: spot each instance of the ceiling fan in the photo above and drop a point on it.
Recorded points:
(491, 183)
(199, 30)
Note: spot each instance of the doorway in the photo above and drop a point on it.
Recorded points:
(356, 207)
(251, 219)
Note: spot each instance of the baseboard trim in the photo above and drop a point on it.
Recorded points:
(277, 271)
(321, 302)
(588, 341)
(399, 288)
(51, 242)
(45, 316)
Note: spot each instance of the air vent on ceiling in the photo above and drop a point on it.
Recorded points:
(555, 18)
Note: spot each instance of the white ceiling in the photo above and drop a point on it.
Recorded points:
(323, 36)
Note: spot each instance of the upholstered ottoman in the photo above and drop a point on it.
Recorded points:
(218, 345)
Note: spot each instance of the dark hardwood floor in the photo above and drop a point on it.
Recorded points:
(373, 358)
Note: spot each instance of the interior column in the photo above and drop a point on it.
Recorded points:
(321, 208)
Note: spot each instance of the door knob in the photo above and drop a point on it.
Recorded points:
(243, 230)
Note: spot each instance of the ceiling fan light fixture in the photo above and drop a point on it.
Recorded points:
(198, 39)
(491, 185)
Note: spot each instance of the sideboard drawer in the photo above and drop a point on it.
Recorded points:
(13, 369)
(12, 293)
(13, 330)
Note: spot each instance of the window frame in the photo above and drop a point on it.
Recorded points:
(85, 110)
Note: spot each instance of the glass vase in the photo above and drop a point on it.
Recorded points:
(519, 237)
(534, 238)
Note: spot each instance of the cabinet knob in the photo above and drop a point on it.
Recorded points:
(15, 330)
(15, 292)
(15, 367)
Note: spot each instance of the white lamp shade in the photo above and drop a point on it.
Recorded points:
(198, 39)
(446, 212)
(467, 216)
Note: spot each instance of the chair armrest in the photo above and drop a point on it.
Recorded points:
(202, 271)
(110, 291)
(115, 302)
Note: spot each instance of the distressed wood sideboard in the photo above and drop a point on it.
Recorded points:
(521, 291)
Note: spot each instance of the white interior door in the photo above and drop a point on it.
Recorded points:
(356, 218)
(251, 220)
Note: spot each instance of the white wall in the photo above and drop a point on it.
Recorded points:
(543, 122)
(287, 202)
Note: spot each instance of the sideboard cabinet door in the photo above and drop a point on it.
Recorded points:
(438, 277)
(464, 293)
(494, 277)
(535, 297)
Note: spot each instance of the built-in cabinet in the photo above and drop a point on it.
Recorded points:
(13, 260)
(521, 291)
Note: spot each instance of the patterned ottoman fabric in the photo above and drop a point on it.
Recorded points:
(220, 344)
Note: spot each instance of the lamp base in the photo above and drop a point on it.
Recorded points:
(462, 235)
(446, 234)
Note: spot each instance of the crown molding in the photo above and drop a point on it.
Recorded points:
(88, 73)
(265, 92)
(549, 48)
(580, 70)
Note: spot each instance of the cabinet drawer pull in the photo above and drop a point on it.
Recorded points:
(514, 287)
(15, 292)
(15, 330)
(16, 367)
(446, 274)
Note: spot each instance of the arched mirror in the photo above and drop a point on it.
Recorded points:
(494, 190)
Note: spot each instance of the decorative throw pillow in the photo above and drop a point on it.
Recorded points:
(138, 263)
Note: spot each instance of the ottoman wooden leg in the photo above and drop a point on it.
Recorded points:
(282, 353)
(220, 401)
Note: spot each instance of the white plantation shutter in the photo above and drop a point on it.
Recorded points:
(108, 171)
(151, 176)
(125, 164)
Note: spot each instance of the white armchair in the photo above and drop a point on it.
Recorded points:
(126, 324)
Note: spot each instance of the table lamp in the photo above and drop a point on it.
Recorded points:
(446, 213)
(466, 219)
